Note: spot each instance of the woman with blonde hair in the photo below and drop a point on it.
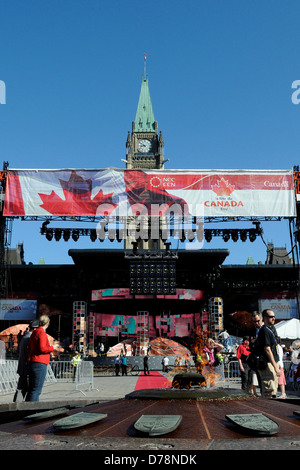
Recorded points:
(39, 351)
(211, 360)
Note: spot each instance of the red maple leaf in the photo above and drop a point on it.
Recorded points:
(77, 192)
(223, 188)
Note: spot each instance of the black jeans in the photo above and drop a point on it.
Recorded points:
(246, 377)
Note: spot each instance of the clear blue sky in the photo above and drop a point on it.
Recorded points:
(220, 75)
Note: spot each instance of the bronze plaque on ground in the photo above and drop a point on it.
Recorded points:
(46, 414)
(254, 423)
(77, 420)
(156, 425)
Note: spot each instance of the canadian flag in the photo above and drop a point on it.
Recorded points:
(113, 191)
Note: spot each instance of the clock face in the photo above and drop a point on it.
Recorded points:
(144, 145)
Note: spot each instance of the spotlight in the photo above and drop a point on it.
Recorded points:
(208, 236)
(66, 235)
(252, 235)
(93, 235)
(120, 235)
(75, 235)
(49, 234)
(226, 236)
(235, 235)
(57, 234)
(243, 235)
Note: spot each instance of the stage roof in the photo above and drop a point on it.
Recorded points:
(199, 259)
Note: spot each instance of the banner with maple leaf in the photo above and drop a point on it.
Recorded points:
(117, 192)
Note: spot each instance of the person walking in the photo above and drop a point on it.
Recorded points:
(38, 358)
(146, 365)
(242, 354)
(22, 370)
(281, 380)
(267, 348)
(117, 365)
(165, 363)
(257, 322)
(124, 364)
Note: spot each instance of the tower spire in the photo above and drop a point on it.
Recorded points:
(145, 59)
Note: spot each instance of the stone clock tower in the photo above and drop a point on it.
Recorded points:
(144, 150)
(144, 146)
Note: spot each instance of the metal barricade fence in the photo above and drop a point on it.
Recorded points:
(231, 373)
(9, 377)
(234, 372)
(80, 374)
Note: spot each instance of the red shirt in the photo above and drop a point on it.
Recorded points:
(38, 347)
(243, 350)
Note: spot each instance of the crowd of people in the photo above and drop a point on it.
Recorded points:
(261, 356)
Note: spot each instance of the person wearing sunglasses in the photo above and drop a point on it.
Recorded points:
(268, 348)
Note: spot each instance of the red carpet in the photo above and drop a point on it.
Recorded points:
(154, 380)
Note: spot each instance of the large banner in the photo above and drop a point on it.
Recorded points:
(283, 308)
(117, 192)
(18, 309)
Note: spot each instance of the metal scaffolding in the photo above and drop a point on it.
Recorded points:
(142, 340)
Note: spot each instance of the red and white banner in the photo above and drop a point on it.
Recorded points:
(112, 191)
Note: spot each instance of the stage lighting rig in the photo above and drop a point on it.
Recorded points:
(119, 233)
(234, 234)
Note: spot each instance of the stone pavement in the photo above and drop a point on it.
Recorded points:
(105, 388)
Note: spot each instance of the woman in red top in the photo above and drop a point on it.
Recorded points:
(241, 355)
(38, 358)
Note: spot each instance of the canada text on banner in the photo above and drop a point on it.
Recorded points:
(118, 192)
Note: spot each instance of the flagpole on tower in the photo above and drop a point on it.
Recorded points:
(145, 57)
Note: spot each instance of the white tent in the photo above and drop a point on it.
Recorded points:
(289, 329)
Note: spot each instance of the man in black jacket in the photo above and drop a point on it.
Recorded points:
(267, 346)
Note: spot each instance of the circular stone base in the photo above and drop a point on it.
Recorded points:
(191, 394)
